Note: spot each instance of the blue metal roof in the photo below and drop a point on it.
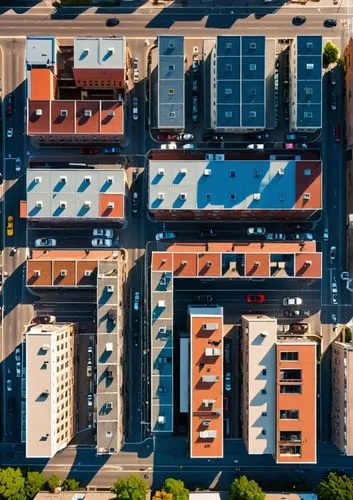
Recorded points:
(309, 82)
(171, 84)
(240, 83)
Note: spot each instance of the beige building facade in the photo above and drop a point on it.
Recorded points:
(50, 381)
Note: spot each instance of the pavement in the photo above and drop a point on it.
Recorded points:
(161, 456)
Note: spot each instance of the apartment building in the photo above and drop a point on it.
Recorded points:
(217, 188)
(50, 382)
(71, 196)
(62, 106)
(238, 84)
(171, 83)
(342, 397)
(258, 359)
(305, 84)
(296, 401)
(279, 392)
(206, 382)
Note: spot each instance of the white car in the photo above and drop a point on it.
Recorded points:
(292, 301)
(45, 242)
(255, 146)
(18, 354)
(189, 146)
(275, 236)
(18, 164)
(9, 132)
(18, 369)
(90, 399)
(135, 109)
(334, 298)
(170, 145)
(256, 231)
(9, 385)
(103, 233)
(101, 242)
(136, 301)
(185, 137)
(165, 236)
(334, 286)
(326, 234)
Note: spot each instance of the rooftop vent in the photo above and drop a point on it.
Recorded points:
(108, 434)
(62, 204)
(228, 45)
(87, 178)
(87, 204)
(210, 378)
(308, 263)
(264, 333)
(252, 114)
(171, 45)
(64, 112)
(257, 196)
(209, 263)
(307, 172)
(161, 420)
(111, 113)
(309, 45)
(306, 196)
(88, 272)
(109, 346)
(39, 204)
(162, 330)
(161, 171)
(253, 45)
(88, 112)
(210, 351)
(183, 196)
(110, 288)
(280, 171)
(210, 326)
(208, 434)
(110, 204)
(161, 303)
(36, 272)
(207, 403)
(252, 67)
(39, 112)
(207, 171)
(37, 180)
(111, 50)
(309, 66)
(63, 179)
(63, 272)
(161, 196)
(184, 171)
(308, 90)
(110, 179)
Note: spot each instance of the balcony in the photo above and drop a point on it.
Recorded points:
(290, 375)
(290, 437)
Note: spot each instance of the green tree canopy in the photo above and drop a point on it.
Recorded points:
(330, 53)
(53, 482)
(11, 484)
(176, 488)
(34, 482)
(162, 495)
(70, 484)
(335, 487)
(243, 489)
(131, 488)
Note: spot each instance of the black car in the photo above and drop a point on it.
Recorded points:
(330, 23)
(208, 137)
(112, 21)
(298, 20)
(208, 233)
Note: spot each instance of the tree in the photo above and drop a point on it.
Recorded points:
(53, 482)
(162, 495)
(243, 489)
(131, 488)
(11, 484)
(70, 484)
(335, 486)
(330, 53)
(176, 488)
(34, 482)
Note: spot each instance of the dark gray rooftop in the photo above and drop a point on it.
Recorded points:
(309, 81)
(171, 83)
(240, 81)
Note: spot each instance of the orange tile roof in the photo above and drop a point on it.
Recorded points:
(308, 265)
(111, 124)
(38, 117)
(60, 267)
(262, 247)
(257, 264)
(45, 270)
(81, 268)
(117, 211)
(41, 84)
(209, 264)
(87, 124)
(185, 264)
(311, 184)
(162, 261)
(63, 124)
(202, 365)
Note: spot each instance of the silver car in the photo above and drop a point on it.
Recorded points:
(101, 242)
(45, 242)
(103, 233)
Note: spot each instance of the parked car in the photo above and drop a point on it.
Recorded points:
(289, 145)
(262, 136)
(165, 236)
(255, 147)
(228, 382)
(302, 236)
(102, 242)
(18, 354)
(9, 133)
(90, 399)
(333, 101)
(195, 85)
(45, 242)
(210, 137)
(136, 301)
(170, 145)
(135, 174)
(292, 313)
(292, 301)
(301, 145)
(135, 202)
(18, 369)
(89, 151)
(111, 150)
(298, 20)
(189, 146)
(208, 233)
(275, 236)
(195, 65)
(135, 109)
(227, 352)
(103, 233)
(9, 385)
(334, 298)
(256, 231)
(112, 21)
(332, 253)
(184, 137)
(326, 234)
(332, 77)
(204, 299)
(337, 133)
(330, 23)
(18, 164)
(9, 108)
(334, 285)
(255, 298)
(300, 327)
(295, 136)
(10, 225)
(166, 137)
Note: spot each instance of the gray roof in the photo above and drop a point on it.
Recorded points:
(171, 82)
(309, 82)
(229, 185)
(74, 187)
(40, 51)
(99, 53)
(240, 92)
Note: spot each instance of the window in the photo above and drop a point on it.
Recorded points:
(290, 389)
(308, 114)
(263, 432)
(290, 436)
(171, 45)
(264, 413)
(290, 374)
(289, 356)
(228, 67)
(264, 371)
(228, 45)
(171, 67)
(252, 67)
(172, 114)
(289, 450)
(171, 91)
(263, 391)
(232, 196)
(228, 91)
(229, 114)
(289, 414)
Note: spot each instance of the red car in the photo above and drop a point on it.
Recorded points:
(337, 133)
(89, 151)
(255, 298)
(166, 137)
